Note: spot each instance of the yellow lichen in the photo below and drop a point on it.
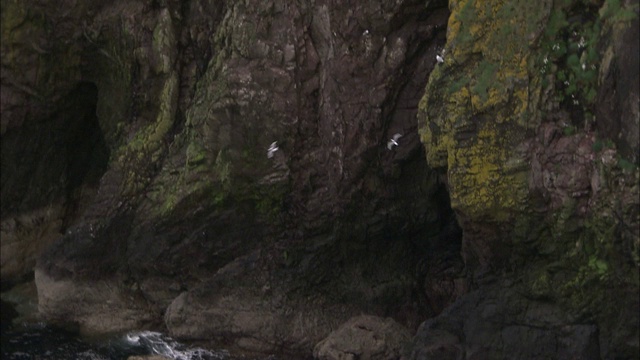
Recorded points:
(474, 115)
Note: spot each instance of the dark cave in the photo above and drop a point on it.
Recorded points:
(55, 159)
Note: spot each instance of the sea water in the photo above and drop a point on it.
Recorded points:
(36, 341)
(25, 337)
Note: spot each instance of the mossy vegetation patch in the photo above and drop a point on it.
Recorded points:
(569, 57)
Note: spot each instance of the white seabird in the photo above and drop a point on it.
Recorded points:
(439, 59)
(272, 149)
(393, 141)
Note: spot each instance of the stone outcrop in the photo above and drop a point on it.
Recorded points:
(364, 337)
(135, 170)
(496, 323)
(540, 177)
(148, 357)
(171, 215)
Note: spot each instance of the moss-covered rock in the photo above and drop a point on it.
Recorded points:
(477, 106)
(541, 192)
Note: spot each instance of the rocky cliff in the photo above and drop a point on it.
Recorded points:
(136, 183)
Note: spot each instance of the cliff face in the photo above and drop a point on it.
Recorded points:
(135, 168)
(537, 127)
(181, 219)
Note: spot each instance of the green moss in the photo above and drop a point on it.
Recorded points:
(487, 71)
(269, 202)
(613, 11)
(557, 22)
(457, 85)
(540, 284)
(218, 198)
(601, 144)
(598, 266)
(569, 130)
(570, 50)
(146, 147)
(13, 15)
(626, 165)
(163, 43)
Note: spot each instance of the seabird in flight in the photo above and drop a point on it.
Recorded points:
(272, 149)
(393, 141)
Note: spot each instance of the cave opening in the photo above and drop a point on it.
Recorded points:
(433, 260)
(51, 169)
(50, 160)
(440, 270)
(86, 151)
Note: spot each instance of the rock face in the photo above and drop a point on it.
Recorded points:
(498, 323)
(364, 337)
(172, 215)
(540, 179)
(135, 170)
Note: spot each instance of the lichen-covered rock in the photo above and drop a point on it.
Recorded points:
(364, 337)
(478, 107)
(543, 192)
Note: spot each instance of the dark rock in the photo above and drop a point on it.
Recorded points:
(619, 75)
(246, 311)
(185, 100)
(8, 314)
(364, 337)
(498, 322)
(148, 357)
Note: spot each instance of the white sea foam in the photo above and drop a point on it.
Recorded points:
(158, 344)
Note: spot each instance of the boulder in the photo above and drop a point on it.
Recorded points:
(364, 337)
(148, 357)
(498, 322)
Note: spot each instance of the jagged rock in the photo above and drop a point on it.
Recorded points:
(497, 322)
(172, 184)
(134, 167)
(23, 239)
(364, 337)
(252, 313)
(96, 307)
(510, 117)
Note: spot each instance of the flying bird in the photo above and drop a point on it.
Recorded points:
(439, 59)
(393, 141)
(272, 149)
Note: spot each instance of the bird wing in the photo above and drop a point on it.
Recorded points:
(397, 136)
